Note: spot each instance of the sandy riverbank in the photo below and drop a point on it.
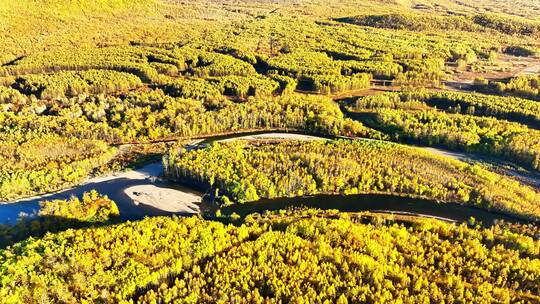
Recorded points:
(165, 199)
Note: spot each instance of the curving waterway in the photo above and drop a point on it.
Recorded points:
(379, 203)
(142, 192)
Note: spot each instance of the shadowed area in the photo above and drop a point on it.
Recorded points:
(383, 203)
(113, 187)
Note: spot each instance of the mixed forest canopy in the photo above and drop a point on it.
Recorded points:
(287, 257)
(90, 87)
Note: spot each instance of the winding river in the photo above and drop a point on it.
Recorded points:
(142, 192)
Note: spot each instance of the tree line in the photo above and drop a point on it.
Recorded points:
(75, 83)
(424, 22)
(521, 86)
(47, 163)
(458, 121)
(488, 136)
(519, 110)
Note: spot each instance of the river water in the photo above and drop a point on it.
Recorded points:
(383, 203)
(114, 187)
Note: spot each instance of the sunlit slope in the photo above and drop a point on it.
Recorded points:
(529, 9)
(524, 8)
(27, 26)
(73, 7)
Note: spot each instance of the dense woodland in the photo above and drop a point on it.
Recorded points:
(154, 115)
(475, 23)
(78, 79)
(502, 107)
(291, 257)
(62, 141)
(76, 83)
(245, 173)
(37, 163)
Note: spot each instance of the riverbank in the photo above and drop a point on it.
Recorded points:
(114, 186)
(377, 203)
(143, 192)
(140, 192)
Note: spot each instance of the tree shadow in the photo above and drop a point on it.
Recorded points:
(39, 226)
(382, 203)
(113, 189)
(14, 228)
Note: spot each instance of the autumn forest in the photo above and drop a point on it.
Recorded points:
(134, 135)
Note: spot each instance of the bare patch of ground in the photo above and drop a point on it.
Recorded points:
(531, 70)
(504, 67)
(165, 199)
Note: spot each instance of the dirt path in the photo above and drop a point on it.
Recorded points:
(274, 137)
(530, 70)
(505, 67)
